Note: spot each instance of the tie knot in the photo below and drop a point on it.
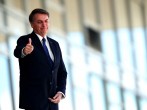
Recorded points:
(44, 40)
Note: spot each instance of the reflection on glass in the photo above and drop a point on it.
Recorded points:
(66, 104)
(97, 93)
(14, 70)
(115, 107)
(143, 104)
(62, 42)
(77, 51)
(95, 63)
(129, 101)
(112, 72)
(79, 75)
(76, 38)
(128, 77)
(81, 100)
(140, 51)
(77, 55)
(125, 45)
(142, 84)
(113, 92)
(109, 46)
(5, 95)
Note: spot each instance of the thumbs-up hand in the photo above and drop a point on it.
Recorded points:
(28, 48)
(30, 41)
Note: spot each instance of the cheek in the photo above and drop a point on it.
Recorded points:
(33, 26)
(36, 28)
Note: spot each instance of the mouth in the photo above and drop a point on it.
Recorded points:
(44, 29)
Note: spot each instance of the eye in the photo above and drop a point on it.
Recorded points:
(46, 21)
(39, 22)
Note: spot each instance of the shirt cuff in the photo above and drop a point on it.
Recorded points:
(22, 53)
(63, 95)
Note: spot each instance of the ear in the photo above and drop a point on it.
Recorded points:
(32, 25)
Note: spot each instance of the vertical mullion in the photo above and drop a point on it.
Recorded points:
(10, 74)
(144, 20)
(5, 12)
(128, 6)
(115, 27)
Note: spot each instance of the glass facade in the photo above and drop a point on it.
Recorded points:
(108, 76)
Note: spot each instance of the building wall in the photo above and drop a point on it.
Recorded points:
(104, 46)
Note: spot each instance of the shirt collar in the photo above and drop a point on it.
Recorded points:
(40, 37)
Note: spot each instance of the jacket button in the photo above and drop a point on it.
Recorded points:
(50, 83)
(52, 71)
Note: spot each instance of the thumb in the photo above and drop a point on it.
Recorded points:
(30, 41)
(55, 96)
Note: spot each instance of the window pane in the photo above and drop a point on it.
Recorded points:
(142, 84)
(129, 101)
(95, 63)
(109, 45)
(5, 95)
(115, 107)
(79, 76)
(66, 104)
(14, 70)
(140, 51)
(125, 48)
(75, 46)
(97, 93)
(76, 38)
(62, 42)
(81, 100)
(112, 72)
(128, 76)
(77, 55)
(143, 104)
(113, 90)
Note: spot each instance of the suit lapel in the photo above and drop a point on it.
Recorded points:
(36, 42)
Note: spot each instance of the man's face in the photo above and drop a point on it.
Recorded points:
(40, 24)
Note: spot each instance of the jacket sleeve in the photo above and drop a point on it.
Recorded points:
(21, 43)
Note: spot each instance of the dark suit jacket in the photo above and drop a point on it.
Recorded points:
(38, 81)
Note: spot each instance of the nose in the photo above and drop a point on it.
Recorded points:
(43, 24)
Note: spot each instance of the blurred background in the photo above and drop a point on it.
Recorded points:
(104, 46)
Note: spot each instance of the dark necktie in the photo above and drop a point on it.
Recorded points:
(47, 52)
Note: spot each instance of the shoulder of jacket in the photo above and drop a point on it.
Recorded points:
(53, 40)
(24, 36)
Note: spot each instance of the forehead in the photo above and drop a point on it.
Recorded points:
(40, 16)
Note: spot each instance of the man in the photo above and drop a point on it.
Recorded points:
(42, 71)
